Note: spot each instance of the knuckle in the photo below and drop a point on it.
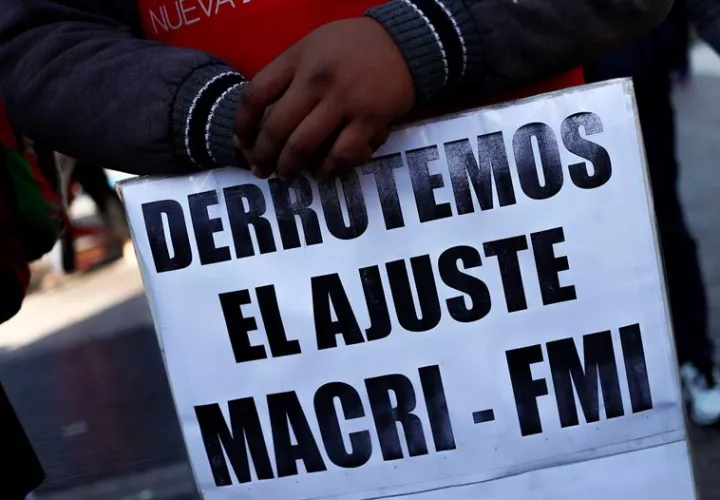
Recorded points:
(322, 75)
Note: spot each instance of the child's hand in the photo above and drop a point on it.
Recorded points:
(327, 102)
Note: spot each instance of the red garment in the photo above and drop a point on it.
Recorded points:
(31, 215)
(249, 34)
(7, 134)
(12, 253)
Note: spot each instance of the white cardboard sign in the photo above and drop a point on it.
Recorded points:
(478, 313)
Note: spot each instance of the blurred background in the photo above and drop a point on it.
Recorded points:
(82, 366)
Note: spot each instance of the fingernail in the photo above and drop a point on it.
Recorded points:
(237, 143)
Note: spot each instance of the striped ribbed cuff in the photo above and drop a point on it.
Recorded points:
(219, 128)
(433, 38)
(203, 116)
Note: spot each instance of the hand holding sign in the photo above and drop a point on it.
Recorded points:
(329, 101)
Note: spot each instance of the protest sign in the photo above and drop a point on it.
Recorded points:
(477, 313)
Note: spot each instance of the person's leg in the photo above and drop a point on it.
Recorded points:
(96, 184)
(64, 258)
(21, 471)
(687, 295)
(686, 289)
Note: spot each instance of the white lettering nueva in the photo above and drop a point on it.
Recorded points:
(180, 13)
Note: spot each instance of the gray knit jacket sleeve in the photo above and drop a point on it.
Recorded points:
(492, 45)
(78, 77)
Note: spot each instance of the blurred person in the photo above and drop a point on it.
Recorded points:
(652, 61)
(94, 182)
(31, 219)
(155, 86)
(32, 214)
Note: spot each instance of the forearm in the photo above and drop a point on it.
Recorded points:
(493, 45)
(78, 79)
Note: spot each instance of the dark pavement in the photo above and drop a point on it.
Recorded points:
(93, 395)
(99, 415)
(82, 364)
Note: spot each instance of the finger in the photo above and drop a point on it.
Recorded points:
(259, 93)
(303, 149)
(259, 173)
(351, 149)
(379, 139)
(280, 122)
